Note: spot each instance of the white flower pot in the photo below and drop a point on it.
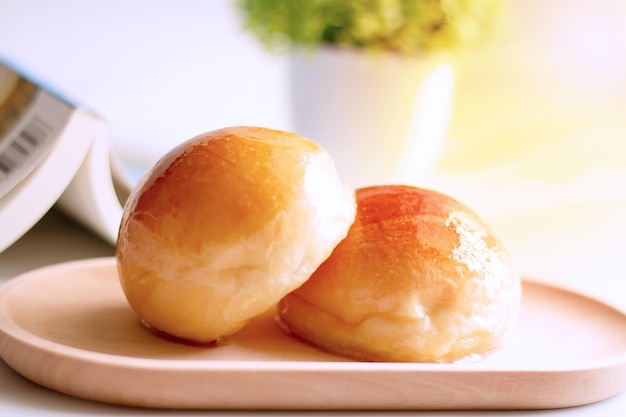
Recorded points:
(382, 117)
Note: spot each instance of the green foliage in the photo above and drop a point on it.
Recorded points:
(405, 26)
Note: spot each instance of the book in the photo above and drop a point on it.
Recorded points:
(54, 153)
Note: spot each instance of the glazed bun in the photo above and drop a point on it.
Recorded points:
(225, 225)
(419, 278)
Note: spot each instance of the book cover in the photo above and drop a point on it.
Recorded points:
(53, 152)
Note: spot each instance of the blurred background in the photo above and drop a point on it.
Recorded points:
(537, 140)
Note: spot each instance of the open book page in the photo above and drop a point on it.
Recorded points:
(53, 152)
(96, 195)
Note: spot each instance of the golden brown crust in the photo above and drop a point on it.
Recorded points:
(226, 224)
(249, 194)
(418, 278)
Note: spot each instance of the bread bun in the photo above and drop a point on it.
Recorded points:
(225, 225)
(419, 278)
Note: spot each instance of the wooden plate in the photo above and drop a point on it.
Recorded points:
(68, 327)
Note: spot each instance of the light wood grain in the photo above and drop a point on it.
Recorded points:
(69, 328)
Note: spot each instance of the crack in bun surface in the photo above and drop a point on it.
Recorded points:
(419, 278)
(226, 224)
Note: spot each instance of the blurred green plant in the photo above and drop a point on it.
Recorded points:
(405, 26)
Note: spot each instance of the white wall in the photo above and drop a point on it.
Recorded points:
(160, 71)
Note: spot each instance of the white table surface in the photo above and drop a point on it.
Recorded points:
(149, 68)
